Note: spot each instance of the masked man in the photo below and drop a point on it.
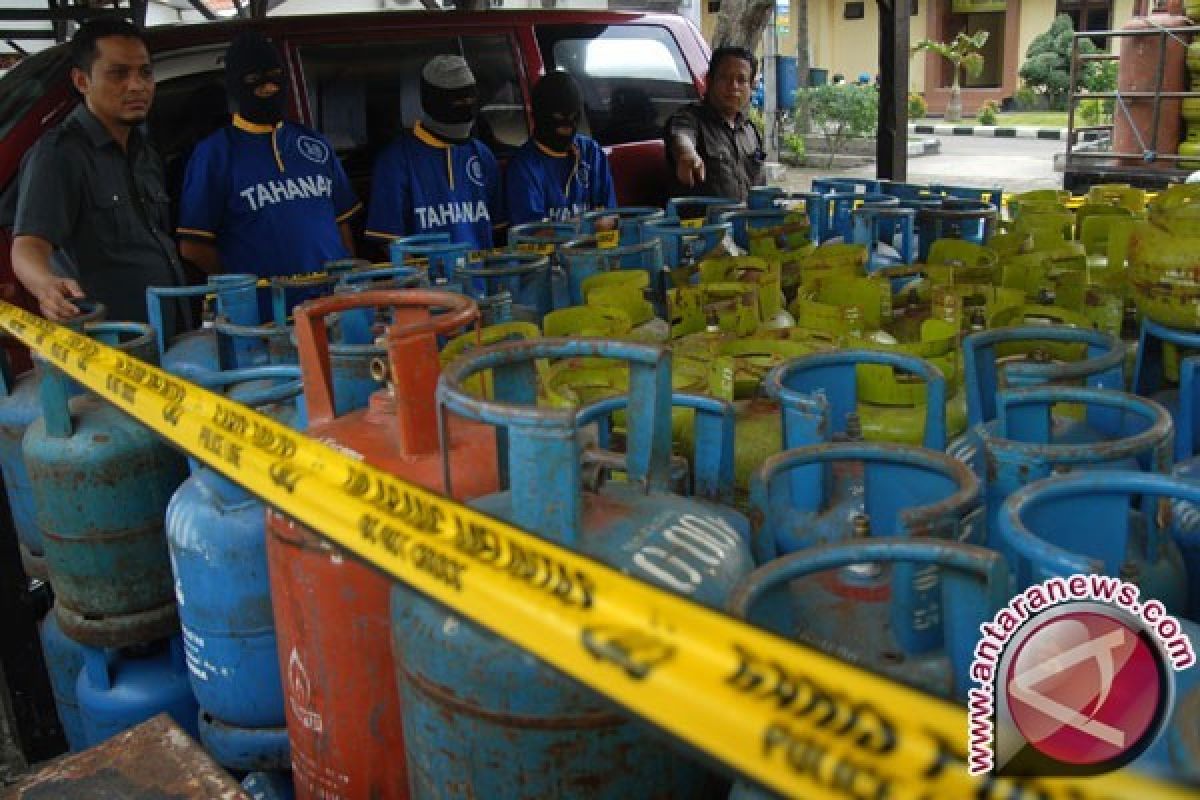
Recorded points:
(438, 179)
(559, 173)
(264, 195)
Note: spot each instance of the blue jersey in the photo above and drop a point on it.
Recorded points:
(544, 185)
(269, 197)
(424, 185)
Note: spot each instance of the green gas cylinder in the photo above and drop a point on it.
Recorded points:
(480, 385)
(1164, 253)
(760, 272)
(734, 370)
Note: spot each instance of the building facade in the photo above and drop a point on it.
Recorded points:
(844, 38)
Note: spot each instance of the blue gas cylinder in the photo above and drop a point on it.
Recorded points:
(434, 252)
(955, 218)
(586, 256)
(64, 660)
(888, 233)
(541, 237)
(101, 483)
(833, 217)
(808, 203)
(1182, 740)
(818, 395)
(626, 221)
(269, 338)
(1105, 523)
(118, 688)
(1032, 355)
(824, 186)
(1151, 378)
(788, 229)
(195, 353)
(1108, 523)
(20, 406)
(1058, 354)
(838, 599)
(352, 349)
(547, 238)
(289, 291)
(482, 717)
(273, 785)
(763, 197)
(696, 210)
(525, 277)
(827, 493)
(684, 245)
(1185, 516)
(215, 531)
(1027, 441)
(364, 325)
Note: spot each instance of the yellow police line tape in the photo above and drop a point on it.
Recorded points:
(791, 718)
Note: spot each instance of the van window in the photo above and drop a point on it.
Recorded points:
(362, 94)
(28, 82)
(189, 104)
(632, 76)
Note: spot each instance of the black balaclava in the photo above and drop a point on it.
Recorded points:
(448, 98)
(250, 62)
(556, 103)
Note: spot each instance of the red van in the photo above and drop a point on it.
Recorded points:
(355, 78)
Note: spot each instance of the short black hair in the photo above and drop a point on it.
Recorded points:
(727, 51)
(83, 43)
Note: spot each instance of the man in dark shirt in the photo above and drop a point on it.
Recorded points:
(712, 147)
(91, 199)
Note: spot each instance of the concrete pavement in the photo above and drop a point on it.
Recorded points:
(1016, 165)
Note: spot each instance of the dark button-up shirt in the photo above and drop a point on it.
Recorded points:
(733, 155)
(104, 210)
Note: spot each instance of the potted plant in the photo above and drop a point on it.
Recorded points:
(963, 52)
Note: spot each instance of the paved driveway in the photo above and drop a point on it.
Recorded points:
(1017, 165)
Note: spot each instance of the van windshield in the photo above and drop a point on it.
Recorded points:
(28, 82)
(613, 58)
(632, 76)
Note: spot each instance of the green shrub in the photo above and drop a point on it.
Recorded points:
(987, 113)
(1047, 67)
(756, 116)
(1095, 111)
(794, 143)
(1025, 99)
(840, 111)
(917, 109)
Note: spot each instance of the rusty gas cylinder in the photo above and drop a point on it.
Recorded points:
(1152, 125)
(331, 611)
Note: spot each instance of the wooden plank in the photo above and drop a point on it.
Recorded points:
(155, 760)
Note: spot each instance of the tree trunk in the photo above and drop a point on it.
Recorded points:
(803, 57)
(803, 62)
(742, 22)
(954, 107)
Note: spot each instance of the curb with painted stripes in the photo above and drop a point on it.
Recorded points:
(998, 131)
(788, 717)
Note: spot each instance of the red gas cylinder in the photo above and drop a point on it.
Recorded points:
(1135, 132)
(332, 612)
